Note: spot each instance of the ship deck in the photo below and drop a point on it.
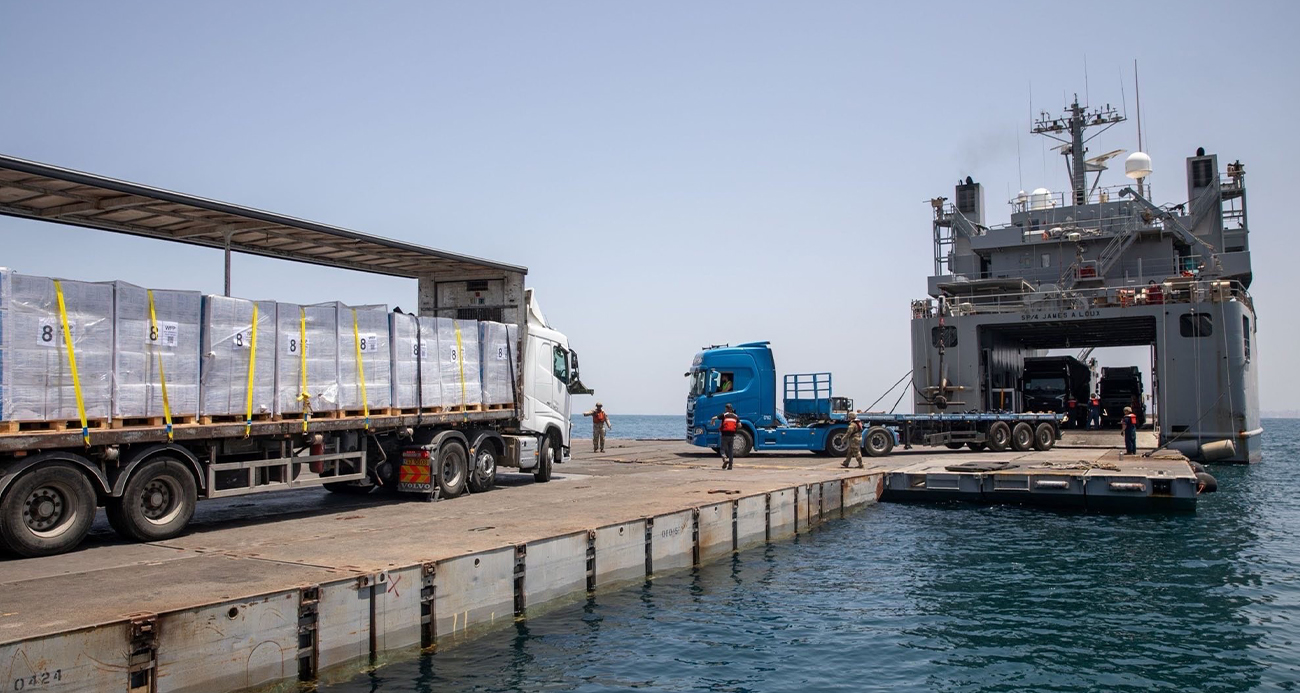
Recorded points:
(298, 584)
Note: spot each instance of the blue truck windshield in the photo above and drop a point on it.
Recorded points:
(698, 381)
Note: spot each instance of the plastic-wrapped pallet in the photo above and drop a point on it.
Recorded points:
(228, 348)
(140, 341)
(319, 356)
(498, 358)
(369, 336)
(35, 378)
(415, 366)
(458, 363)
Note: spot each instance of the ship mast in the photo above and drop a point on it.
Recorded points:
(1074, 123)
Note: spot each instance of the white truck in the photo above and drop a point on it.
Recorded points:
(149, 479)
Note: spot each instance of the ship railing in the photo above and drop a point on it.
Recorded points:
(1173, 290)
(1133, 272)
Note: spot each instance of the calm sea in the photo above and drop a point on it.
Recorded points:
(636, 426)
(941, 598)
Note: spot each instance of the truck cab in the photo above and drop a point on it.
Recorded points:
(744, 376)
(550, 379)
(1057, 384)
(1121, 387)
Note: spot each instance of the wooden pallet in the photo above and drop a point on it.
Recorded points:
(233, 418)
(462, 408)
(299, 416)
(62, 425)
(499, 407)
(151, 421)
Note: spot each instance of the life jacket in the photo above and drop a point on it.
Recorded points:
(599, 417)
(1096, 402)
(730, 422)
(1132, 419)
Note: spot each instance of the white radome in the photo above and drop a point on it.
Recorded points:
(1040, 198)
(1137, 165)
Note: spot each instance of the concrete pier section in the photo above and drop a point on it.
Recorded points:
(290, 586)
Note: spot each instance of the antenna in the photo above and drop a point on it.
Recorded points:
(1137, 94)
(1086, 95)
(1072, 125)
(1020, 173)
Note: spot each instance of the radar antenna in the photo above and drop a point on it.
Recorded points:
(1076, 120)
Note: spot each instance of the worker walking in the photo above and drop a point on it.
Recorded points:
(727, 434)
(599, 424)
(1094, 412)
(853, 440)
(1130, 425)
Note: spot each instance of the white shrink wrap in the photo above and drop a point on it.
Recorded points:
(227, 349)
(35, 378)
(141, 342)
(415, 366)
(498, 359)
(319, 356)
(363, 329)
(458, 363)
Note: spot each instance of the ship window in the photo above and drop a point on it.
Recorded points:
(1245, 336)
(1047, 260)
(949, 336)
(1195, 325)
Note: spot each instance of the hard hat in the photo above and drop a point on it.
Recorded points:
(598, 405)
(1128, 410)
(852, 416)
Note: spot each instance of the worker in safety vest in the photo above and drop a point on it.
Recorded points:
(853, 440)
(727, 434)
(1130, 425)
(599, 424)
(1094, 412)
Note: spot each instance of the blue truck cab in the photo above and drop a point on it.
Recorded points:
(744, 376)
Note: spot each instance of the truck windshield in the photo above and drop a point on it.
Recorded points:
(698, 381)
(1044, 386)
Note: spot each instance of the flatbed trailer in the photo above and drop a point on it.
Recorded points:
(978, 431)
(149, 478)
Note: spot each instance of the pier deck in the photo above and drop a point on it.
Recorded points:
(288, 585)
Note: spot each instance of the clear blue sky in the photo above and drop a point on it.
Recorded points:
(673, 174)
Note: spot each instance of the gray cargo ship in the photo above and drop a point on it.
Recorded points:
(1099, 267)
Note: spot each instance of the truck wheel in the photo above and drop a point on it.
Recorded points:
(46, 511)
(452, 468)
(878, 441)
(484, 474)
(954, 446)
(550, 453)
(999, 436)
(743, 445)
(348, 488)
(836, 445)
(1022, 437)
(1044, 437)
(157, 503)
(977, 447)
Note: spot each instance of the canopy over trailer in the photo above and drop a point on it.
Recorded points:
(33, 190)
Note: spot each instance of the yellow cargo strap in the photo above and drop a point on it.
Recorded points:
(361, 370)
(72, 363)
(302, 368)
(460, 356)
(252, 364)
(162, 375)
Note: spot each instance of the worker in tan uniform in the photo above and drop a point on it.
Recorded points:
(853, 440)
(599, 424)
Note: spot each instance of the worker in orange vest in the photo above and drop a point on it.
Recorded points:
(1094, 412)
(727, 435)
(1130, 425)
(599, 424)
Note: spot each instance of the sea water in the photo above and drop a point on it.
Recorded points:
(940, 598)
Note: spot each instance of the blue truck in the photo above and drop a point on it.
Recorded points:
(812, 418)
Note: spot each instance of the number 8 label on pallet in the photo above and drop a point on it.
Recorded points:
(165, 334)
(368, 343)
(291, 344)
(50, 333)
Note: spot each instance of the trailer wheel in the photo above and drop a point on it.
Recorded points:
(878, 441)
(1044, 437)
(156, 504)
(46, 511)
(346, 488)
(550, 453)
(1022, 437)
(999, 436)
(483, 476)
(742, 445)
(836, 445)
(451, 469)
(978, 447)
(954, 446)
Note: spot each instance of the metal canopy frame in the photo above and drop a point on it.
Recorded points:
(33, 190)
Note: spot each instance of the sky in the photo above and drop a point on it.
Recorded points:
(673, 174)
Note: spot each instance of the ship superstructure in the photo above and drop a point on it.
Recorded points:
(1098, 267)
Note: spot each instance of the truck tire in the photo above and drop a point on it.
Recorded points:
(978, 447)
(483, 473)
(954, 446)
(348, 488)
(878, 441)
(1022, 437)
(546, 466)
(743, 445)
(1044, 437)
(451, 469)
(47, 510)
(836, 446)
(156, 504)
(999, 436)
